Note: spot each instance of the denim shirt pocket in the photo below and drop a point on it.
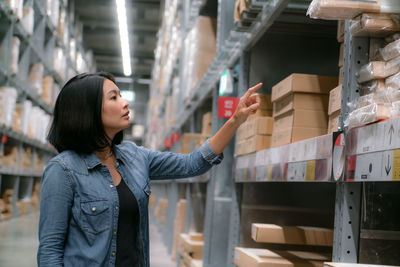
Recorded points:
(95, 215)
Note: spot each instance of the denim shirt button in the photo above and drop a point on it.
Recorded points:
(115, 233)
(111, 186)
(94, 209)
(116, 207)
(113, 254)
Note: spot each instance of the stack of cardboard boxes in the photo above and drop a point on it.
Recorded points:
(191, 249)
(191, 141)
(6, 207)
(309, 237)
(179, 226)
(300, 106)
(36, 196)
(161, 210)
(255, 134)
(206, 129)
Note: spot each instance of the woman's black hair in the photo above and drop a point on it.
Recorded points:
(77, 123)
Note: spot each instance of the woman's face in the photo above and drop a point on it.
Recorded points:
(114, 113)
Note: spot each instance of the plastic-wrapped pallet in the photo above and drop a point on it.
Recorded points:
(48, 84)
(375, 45)
(374, 25)
(373, 86)
(52, 10)
(8, 102)
(378, 70)
(348, 9)
(28, 19)
(59, 62)
(393, 82)
(14, 55)
(393, 37)
(36, 77)
(381, 97)
(16, 6)
(199, 52)
(391, 51)
(17, 124)
(368, 114)
(72, 49)
(62, 28)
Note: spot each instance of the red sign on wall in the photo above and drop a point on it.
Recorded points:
(227, 106)
(168, 142)
(175, 137)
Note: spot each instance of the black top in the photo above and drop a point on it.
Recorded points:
(128, 220)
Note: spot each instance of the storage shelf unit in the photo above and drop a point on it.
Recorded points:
(30, 155)
(255, 187)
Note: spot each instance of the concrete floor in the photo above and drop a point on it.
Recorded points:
(19, 243)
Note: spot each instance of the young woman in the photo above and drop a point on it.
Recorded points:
(94, 196)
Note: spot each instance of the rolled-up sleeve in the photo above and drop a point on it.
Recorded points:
(55, 210)
(168, 165)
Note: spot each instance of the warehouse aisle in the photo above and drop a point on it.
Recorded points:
(159, 256)
(19, 243)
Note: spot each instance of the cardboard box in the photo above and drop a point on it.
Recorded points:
(340, 80)
(260, 113)
(340, 31)
(301, 118)
(335, 100)
(306, 83)
(257, 126)
(295, 134)
(253, 144)
(373, 25)
(194, 248)
(191, 140)
(252, 257)
(179, 226)
(295, 235)
(14, 55)
(207, 34)
(206, 128)
(341, 55)
(300, 101)
(333, 122)
(265, 102)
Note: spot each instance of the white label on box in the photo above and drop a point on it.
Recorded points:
(242, 162)
(390, 134)
(296, 171)
(369, 167)
(310, 149)
(261, 173)
(260, 156)
(294, 152)
(367, 138)
(387, 166)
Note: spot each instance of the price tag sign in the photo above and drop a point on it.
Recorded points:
(168, 142)
(227, 106)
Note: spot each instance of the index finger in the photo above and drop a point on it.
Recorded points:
(253, 89)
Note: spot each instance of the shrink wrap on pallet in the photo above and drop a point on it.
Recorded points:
(14, 55)
(391, 51)
(17, 123)
(368, 114)
(8, 96)
(36, 77)
(393, 37)
(52, 10)
(378, 70)
(48, 84)
(373, 86)
(374, 25)
(348, 9)
(16, 6)
(393, 82)
(28, 19)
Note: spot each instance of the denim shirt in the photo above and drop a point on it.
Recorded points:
(79, 201)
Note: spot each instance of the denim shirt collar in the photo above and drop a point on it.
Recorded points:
(93, 161)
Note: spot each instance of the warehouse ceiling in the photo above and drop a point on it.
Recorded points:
(101, 35)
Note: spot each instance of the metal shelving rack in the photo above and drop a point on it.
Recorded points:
(37, 47)
(341, 196)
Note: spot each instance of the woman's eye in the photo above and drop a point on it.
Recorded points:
(114, 97)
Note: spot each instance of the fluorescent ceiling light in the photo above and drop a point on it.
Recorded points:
(124, 37)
